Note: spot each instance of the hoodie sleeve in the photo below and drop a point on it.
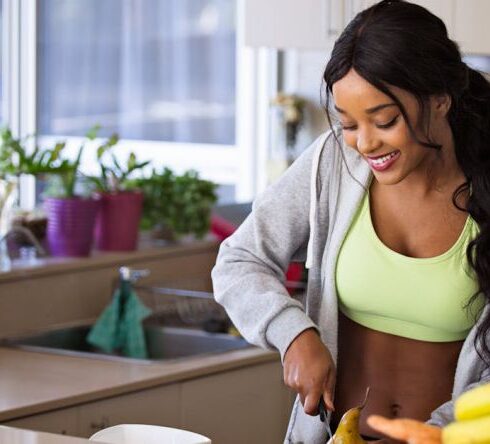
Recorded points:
(248, 277)
(444, 414)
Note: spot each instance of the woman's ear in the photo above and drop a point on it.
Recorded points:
(441, 104)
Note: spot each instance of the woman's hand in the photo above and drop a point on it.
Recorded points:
(406, 430)
(310, 371)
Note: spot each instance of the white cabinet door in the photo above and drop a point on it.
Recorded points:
(305, 24)
(444, 9)
(472, 26)
(249, 405)
(63, 422)
(157, 406)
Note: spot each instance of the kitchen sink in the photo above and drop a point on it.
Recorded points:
(164, 343)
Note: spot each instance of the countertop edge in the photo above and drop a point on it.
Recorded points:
(198, 367)
(56, 266)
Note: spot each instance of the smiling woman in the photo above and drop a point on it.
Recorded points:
(391, 211)
(374, 125)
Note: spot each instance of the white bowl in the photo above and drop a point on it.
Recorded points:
(148, 434)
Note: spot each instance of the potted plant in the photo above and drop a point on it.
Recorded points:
(177, 205)
(16, 160)
(71, 216)
(117, 223)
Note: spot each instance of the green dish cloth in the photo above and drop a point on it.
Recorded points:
(119, 327)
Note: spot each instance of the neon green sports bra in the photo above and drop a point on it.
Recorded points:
(418, 298)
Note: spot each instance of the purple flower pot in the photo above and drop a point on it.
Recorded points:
(117, 224)
(71, 225)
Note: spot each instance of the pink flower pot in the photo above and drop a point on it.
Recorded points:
(70, 225)
(117, 224)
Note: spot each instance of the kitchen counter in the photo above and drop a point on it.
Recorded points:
(10, 435)
(32, 382)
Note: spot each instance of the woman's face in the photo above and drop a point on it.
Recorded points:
(373, 125)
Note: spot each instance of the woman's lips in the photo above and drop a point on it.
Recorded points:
(382, 165)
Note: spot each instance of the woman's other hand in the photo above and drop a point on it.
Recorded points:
(406, 430)
(310, 371)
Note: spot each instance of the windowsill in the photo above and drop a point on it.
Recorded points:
(147, 250)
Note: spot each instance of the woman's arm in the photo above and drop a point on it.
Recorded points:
(249, 273)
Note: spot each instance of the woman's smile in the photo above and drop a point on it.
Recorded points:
(383, 162)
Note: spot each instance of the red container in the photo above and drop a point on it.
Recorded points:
(118, 220)
(70, 225)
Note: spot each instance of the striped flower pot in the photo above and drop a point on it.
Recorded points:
(71, 225)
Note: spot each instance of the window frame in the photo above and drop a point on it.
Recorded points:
(238, 165)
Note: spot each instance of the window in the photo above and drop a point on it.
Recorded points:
(172, 77)
(2, 104)
(161, 70)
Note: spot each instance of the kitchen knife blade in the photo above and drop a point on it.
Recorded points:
(325, 416)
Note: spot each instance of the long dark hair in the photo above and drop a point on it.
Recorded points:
(396, 43)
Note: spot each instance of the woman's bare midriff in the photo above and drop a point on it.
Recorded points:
(408, 378)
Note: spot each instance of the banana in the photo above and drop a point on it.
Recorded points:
(473, 404)
(472, 431)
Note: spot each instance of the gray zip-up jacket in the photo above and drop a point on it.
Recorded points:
(305, 215)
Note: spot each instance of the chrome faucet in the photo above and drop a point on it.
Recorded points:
(128, 274)
(41, 252)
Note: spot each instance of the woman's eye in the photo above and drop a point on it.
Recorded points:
(388, 124)
(348, 127)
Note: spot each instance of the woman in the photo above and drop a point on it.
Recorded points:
(391, 211)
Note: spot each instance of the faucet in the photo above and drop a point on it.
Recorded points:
(41, 252)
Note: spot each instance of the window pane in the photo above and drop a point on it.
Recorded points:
(2, 105)
(148, 69)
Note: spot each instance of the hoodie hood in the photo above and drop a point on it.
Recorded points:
(314, 199)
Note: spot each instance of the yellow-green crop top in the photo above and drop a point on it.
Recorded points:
(418, 298)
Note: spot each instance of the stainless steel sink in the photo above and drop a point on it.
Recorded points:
(164, 343)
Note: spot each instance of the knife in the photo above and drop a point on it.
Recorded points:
(325, 416)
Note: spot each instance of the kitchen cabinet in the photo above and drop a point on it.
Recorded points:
(305, 24)
(244, 405)
(315, 24)
(157, 406)
(62, 422)
(466, 21)
(471, 26)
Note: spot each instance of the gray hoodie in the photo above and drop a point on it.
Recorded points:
(304, 216)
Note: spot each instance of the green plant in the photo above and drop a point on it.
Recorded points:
(114, 176)
(181, 204)
(16, 160)
(62, 180)
(158, 194)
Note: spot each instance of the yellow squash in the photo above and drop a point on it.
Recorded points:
(472, 431)
(473, 404)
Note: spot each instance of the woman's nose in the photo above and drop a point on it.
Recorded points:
(367, 142)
